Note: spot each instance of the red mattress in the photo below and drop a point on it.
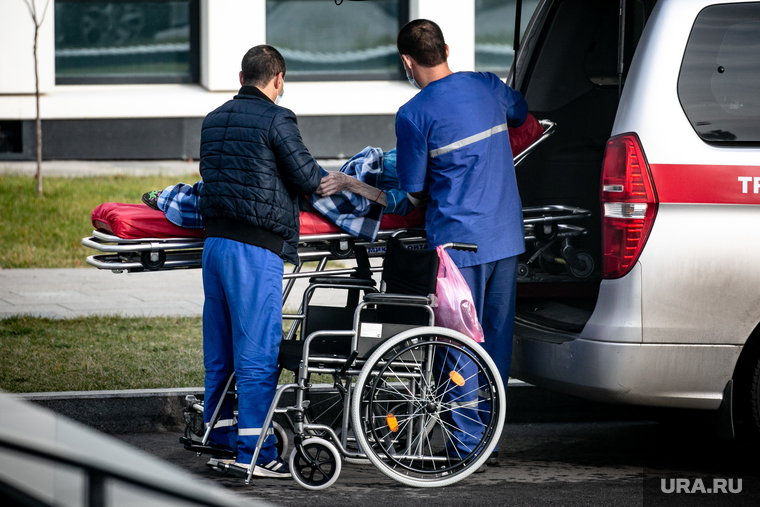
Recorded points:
(137, 221)
(524, 135)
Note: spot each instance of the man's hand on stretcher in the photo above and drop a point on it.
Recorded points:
(337, 182)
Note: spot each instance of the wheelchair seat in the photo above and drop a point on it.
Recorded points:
(291, 351)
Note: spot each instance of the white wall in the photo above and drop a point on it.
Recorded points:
(17, 48)
(457, 21)
(229, 28)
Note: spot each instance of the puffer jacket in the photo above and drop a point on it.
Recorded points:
(254, 165)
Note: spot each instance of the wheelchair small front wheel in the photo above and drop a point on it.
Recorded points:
(318, 467)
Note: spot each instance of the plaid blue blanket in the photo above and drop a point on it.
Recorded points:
(353, 213)
(181, 204)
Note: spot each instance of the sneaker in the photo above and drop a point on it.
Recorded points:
(150, 199)
(219, 464)
(276, 468)
(493, 459)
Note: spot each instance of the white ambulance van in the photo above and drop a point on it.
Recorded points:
(657, 111)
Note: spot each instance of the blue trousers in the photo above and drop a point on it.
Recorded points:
(242, 330)
(494, 287)
(494, 291)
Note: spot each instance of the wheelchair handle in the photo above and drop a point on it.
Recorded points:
(467, 247)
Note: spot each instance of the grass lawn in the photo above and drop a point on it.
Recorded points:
(96, 353)
(46, 232)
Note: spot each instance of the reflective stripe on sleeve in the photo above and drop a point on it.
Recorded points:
(467, 141)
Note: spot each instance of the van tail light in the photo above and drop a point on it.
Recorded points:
(629, 204)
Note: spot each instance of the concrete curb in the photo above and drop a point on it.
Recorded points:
(158, 410)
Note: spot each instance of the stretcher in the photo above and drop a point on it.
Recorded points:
(134, 238)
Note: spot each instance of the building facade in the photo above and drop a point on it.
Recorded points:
(134, 79)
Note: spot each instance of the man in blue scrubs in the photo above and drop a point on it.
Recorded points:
(453, 153)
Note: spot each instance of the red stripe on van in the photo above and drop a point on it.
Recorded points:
(710, 184)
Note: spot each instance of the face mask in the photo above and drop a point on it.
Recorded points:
(279, 97)
(411, 80)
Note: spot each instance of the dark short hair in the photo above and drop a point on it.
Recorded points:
(423, 41)
(261, 64)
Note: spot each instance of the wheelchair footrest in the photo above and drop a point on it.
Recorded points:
(196, 446)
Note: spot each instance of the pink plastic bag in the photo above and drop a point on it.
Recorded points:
(456, 309)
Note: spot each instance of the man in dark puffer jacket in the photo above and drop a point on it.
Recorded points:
(254, 165)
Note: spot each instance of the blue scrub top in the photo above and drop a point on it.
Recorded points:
(452, 140)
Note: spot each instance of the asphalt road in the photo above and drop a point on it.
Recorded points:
(546, 464)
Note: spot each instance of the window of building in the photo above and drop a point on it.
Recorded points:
(720, 72)
(356, 40)
(104, 42)
(10, 136)
(495, 33)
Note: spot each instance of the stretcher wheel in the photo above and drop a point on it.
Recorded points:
(523, 270)
(583, 266)
(342, 249)
(451, 388)
(153, 260)
(545, 232)
(318, 467)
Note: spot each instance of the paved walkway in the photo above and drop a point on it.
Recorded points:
(67, 293)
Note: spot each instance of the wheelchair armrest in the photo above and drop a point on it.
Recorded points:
(340, 280)
(402, 299)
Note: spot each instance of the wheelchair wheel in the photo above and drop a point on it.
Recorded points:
(453, 412)
(319, 467)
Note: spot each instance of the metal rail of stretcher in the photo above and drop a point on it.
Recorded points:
(157, 254)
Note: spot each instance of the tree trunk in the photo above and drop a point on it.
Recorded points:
(39, 121)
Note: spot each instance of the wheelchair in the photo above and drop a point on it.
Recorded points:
(423, 404)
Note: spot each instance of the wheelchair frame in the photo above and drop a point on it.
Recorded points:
(356, 378)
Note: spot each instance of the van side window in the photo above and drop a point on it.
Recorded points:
(719, 83)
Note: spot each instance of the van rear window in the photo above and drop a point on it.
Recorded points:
(719, 83)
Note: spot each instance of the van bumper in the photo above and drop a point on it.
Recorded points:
(664, 375)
